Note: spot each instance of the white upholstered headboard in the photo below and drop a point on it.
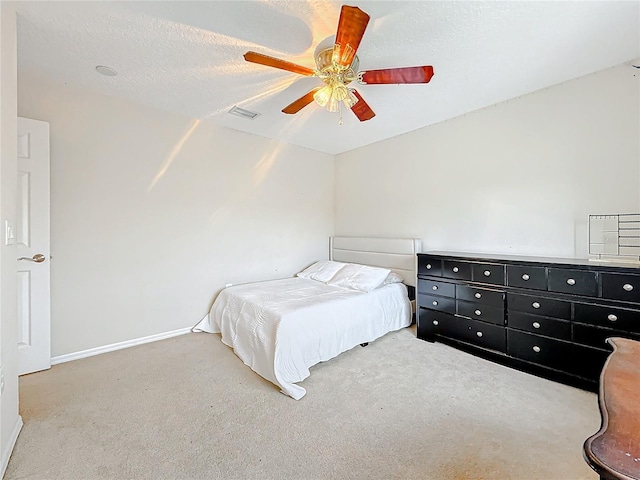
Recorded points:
(396, 254)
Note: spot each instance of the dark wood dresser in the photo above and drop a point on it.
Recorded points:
(547, 316)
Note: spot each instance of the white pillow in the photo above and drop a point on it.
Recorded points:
(321, 271)
(359, 277)
(392, 278)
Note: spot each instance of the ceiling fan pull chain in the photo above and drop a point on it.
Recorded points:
(340, 113)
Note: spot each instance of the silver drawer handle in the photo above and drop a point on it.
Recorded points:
(435, 287)
(478, 295)
(435, 322)
(611, 317)
(478, 312)
(479, 334)
(536, 325)
(536, 349)
(434, 303)
(455, 269)
(571, 281)
(428, 266)
(628, 287)
(535, 305)
(525, 277)
(487, 273)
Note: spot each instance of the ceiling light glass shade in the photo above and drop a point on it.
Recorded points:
(351, 98)
(333, 105)
(339, 92)
(331, 95)
(323, 95)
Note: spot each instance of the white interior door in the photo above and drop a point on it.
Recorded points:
(31, 235)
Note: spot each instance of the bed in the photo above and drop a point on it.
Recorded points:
(281, 328)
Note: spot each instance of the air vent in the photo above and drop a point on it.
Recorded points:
(241, 112)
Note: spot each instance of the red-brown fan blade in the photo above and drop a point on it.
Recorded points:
(277, 63)
(351, 26)
(361, 109)
(398, 75)
(300, 103)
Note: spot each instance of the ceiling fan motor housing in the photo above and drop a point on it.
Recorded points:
(329, 71)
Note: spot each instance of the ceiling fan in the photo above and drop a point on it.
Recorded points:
(337, 67)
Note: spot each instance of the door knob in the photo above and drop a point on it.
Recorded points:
(38, 258)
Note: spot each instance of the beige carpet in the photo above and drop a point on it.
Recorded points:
(400, 408)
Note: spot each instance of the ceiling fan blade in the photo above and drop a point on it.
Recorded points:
(277, 63)
(351, 26)
(300, 103)
(362, 109)
(397, 75)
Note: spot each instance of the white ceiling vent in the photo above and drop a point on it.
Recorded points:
(241, 112)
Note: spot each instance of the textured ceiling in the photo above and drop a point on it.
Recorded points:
(186, 57)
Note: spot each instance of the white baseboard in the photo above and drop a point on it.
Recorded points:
(8, 449)
(117, 346)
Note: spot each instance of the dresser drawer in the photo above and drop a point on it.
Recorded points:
(429, 322)
(480, 311)
(433, 287)
(488, 273)
(540, 325)
(456, 269)
(429, 266)
(547, 307)
(442, 304)
(587, 362)
(485, 335)
(605, 316)
(621, 287)
(541, 350)
(576, 282)
(526, 276)
(593, 336)
(438, 323)
(480, 295)
(597, 336)
(473, 332)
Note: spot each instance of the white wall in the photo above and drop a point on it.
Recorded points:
(519, 177)
(153, 213)
(10, 421)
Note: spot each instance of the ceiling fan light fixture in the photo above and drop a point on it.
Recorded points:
(339, 92)
(351, 98)
(323, 95)
(334, 104)
(338, 66)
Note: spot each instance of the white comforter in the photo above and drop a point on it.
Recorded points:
(280, 328)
